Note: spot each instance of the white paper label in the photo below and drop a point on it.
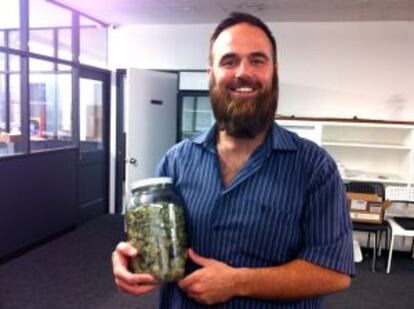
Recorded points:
(358, 205)
(365, 216)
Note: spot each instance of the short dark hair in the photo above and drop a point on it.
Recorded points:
(235, 18)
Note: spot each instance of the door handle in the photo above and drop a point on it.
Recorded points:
(133, 161)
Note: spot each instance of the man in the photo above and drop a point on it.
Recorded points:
(265, 209)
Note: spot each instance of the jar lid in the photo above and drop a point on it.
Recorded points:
(150, 181)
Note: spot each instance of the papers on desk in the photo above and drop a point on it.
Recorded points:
(358, 204)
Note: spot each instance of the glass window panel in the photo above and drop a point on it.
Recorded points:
(3, 107)
(10, 106)
(50, 94)
(65, 44)
(93, 43)
(2, 38)
(44, 19)
(14, 39)
(90, 114)
(41, 42)
(187, 120)
(9, 18)
(204, 115)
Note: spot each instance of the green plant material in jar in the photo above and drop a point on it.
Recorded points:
(157, 231)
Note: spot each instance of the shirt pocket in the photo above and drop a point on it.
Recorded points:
(270, 236)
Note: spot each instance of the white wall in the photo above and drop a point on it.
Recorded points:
(363, 69)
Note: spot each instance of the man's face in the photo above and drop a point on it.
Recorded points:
(243, 81)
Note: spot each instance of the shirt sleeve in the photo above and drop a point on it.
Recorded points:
(162, 167)
(165, 167)
(327, 224)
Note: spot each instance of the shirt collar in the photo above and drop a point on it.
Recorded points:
(283, 139)
(279, 138)
(206, 138)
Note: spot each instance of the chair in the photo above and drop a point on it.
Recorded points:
(376, 229)
(400, 227)
(401, 221)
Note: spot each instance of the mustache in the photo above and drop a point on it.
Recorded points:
(241, 82)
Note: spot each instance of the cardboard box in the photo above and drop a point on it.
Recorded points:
(366, 208)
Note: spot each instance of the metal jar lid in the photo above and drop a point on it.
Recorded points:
(150, 182)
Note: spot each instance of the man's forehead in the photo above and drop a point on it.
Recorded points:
(241, 38)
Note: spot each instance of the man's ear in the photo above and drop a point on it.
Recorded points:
(209, 72)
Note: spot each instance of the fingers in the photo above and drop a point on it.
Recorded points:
(125, 280)
(126, 249)
(198, 259)
(123, 252)
(186, 282)
(134, 289)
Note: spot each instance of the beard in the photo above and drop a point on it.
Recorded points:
(244, 117)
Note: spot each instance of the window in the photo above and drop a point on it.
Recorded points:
(9, 20)
(10, 105)
(187, 124)
(44, 119)
(91, 113)
(196, 114)
(204, 115)
(2, 38)
(93, 45)
(50, 93)
(47, 23)
(3, 89)
(65, 44)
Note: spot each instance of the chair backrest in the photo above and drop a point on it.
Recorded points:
(367, 187)
(398, 193)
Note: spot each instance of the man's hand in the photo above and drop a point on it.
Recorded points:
(213, 283)
(126, 281)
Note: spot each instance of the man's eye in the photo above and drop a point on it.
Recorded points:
(257, 61)
(229, 63)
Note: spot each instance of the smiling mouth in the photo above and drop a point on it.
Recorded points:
(243, 89)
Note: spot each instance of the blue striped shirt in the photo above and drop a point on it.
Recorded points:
(287, 202)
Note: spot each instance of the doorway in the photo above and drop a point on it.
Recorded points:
(93, 175)
(146, 125)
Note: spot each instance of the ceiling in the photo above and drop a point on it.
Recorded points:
(123, 12)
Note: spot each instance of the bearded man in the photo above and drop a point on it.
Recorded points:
(265, 209)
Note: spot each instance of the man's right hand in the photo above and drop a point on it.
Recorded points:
(126, 281)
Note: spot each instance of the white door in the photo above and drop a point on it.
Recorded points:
(150, 121)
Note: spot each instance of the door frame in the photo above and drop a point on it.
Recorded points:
(120, 144)
(103, 76)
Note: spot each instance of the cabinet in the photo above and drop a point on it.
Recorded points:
(194, 113)
(364, 151)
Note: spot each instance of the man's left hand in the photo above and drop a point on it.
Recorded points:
(213, 283)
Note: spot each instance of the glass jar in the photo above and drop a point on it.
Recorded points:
(155, 227)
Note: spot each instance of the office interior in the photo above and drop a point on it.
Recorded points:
(91, 98)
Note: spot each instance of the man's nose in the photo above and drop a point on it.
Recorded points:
(244, 69)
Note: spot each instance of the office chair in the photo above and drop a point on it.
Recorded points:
(376, 229)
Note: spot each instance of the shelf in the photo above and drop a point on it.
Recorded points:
(366, 145)
(365, 151)
(368, 125)
(376, 179)
(387, 178)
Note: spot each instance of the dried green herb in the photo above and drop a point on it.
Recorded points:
(157, 231)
